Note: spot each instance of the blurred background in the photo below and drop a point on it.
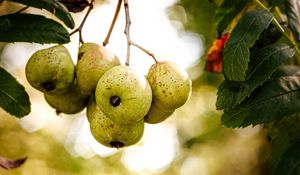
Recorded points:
(190, 142)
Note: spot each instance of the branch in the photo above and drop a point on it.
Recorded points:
(127, 32)
(79, 29)
(105, 42)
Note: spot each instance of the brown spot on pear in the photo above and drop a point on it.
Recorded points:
(109, 133)
(170, 85)
(123, 95)
(70, 102)
(93, 61)
(51, 70)
(155, 115)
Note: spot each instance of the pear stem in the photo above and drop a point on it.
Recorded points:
(127, 30)
(105, 42)
(79, 29)
(127, 33)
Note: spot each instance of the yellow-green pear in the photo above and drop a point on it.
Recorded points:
(170, 84)
(123, 95)
(51, 70)
(70, 102)
(109, 133)
(155, 115)
(93, 61)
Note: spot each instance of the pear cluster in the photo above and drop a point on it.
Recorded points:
(118, 99)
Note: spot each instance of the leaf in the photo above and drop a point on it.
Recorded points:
(264, 63)
(285, 132)
(13, 97)
(289, 163)
(293, 16)
(243, 36)
(273, 100)
(31, 28)
(11, 164)
(228, 10)
(276, 2)
(75, 5)
(53, 6)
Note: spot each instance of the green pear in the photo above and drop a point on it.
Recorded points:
(123, 95)
(51, 70)
(93, 61)
(170, 85)
(109, 133)
(155, 115)
(70, 102)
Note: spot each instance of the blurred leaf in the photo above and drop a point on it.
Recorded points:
(11, 164)
(268, 36)
(286, 70)
(75, 5)
(228, 10)
(53, 6)
(243, 36)
(31, 28)
(264, 63)
(273, 100)
(289, 163)
(13, 97)
(276, 2)
(293, 15)
(283, 133)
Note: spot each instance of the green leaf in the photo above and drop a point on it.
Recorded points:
(228, 10)
(264, 63)
(276, 2)
(289, 163)
(243, 36)
(283, 133)
(293, 16)
(53, 6)
(31, 28)
(13, 97)
(273, 100)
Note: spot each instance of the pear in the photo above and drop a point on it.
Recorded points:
(51, 70)
(109, 133)
(70, 102)
(123, 95)
(170, 85)
(155, 115)
(93, 61)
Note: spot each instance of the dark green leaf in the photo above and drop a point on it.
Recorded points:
(276, 2)
(31, 28)
(273, 100)
(283, 134)
(228, 10)
(293, 15)
(53, 6)
(264, 63)
(243, 36)
(289, 163)
(13, 97)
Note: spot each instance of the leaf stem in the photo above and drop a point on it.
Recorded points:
(105, 42)
(79, 29)
(279, 27)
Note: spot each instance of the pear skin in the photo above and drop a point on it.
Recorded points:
(109, 133)
(51, 70)
(93, 61)
(170, 85)
(123, 95)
